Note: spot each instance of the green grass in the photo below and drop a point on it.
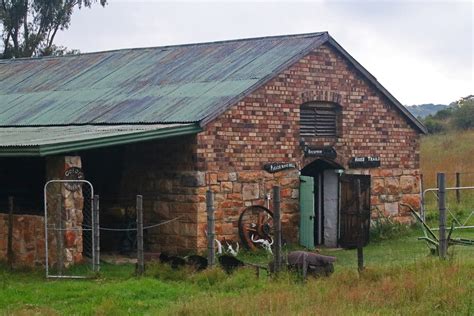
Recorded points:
(401, 278)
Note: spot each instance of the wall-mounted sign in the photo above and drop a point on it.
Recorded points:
(73, 173)
(364, 162)
(278, 166)
(323, 152)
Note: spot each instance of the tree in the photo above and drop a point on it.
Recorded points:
(433, 125)
(30, 26)
(464, 116)
(444, 114)
(459, 115)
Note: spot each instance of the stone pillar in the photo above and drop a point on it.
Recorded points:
(72, 201)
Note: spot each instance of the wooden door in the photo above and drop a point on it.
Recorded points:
(350, 220)
(307, 212)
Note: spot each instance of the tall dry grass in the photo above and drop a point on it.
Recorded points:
(450, 153)
(427, 287)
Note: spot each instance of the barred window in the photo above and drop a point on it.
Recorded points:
(319, 119)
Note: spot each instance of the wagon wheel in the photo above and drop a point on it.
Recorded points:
(255, 220)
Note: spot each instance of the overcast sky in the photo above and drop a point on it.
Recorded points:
(421, 51)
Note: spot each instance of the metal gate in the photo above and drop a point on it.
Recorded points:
(71, 219)
(460, 223)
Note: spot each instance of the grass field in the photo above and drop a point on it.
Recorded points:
(449, 153)
(400, 278)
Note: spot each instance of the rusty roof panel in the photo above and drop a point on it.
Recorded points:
(51, 140)
(47, 135)
(184, 83)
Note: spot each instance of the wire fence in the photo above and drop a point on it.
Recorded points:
(459, 200)
(398, 252)
(64, 221)
(74, 229)
(102, 228)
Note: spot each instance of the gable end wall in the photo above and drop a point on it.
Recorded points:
(264, 127)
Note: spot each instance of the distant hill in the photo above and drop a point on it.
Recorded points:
(423, 110)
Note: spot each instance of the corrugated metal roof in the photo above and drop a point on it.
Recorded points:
(173, 84)
(48, 140)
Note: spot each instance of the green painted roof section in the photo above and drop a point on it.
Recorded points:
(173, 84)
(50, 140)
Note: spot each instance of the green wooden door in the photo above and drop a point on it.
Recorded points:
(307, 212)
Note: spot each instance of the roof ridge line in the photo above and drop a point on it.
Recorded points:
(299, 35)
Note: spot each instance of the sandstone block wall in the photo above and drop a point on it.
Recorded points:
(28, 230)
(165, 173)
(28, 240)
(390, 187)
(234, 191)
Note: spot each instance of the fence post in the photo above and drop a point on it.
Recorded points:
(140, 256)
(59, 234)
(422, 198)
(458, 184)
(305, 266)
(277, 227)
(443, 247)
(360, 232)
(96, 237)
(210, 228)
(10, 232)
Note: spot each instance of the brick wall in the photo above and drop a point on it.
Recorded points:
(264, 127)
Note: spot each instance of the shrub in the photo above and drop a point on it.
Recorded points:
(384, 227)
(434, 126)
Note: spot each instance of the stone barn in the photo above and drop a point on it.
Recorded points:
(237, 116)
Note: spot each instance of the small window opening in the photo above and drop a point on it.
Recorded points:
(319, 119)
